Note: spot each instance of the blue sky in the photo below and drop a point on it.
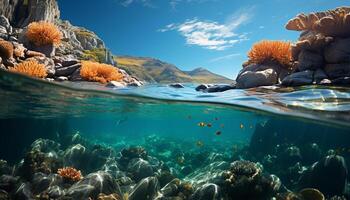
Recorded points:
(214, 34)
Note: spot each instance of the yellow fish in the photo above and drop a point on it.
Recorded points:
(241, 126)
(199, 143)
(201, 124)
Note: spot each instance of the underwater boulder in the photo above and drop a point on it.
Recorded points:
(207, 191)
(55, 192)
(127, 154)
(45, 146)
(75, 156)
(334, 183)
(289, 156)
(8, 183)
(23, 192)
(42, 182)
(171, 188)
(203, 87)
(220, 88)
(139, 169)
(92, 185)
(146, 189)
(338, 70)
(245, 180)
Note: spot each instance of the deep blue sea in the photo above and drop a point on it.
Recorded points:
(279, 128)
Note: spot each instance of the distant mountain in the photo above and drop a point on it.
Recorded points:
(153, 70)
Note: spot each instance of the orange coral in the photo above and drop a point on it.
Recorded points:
(103, 73)
(43, 33)
(6, 49)
(266, 50)
(30, 68)
(70, 173)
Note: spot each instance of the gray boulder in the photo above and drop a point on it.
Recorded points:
(207, 191)
(299, 78)
(337, 70)
(21, 13)
(320, 76)
(146, 189)
(308, 60)
(92, 185)
(66, 70)
(338, 51)
(249, 79)
(139, 168)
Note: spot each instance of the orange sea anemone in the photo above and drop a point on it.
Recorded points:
(70, 173)
(30, 68)
(6, 49)
(267, 50)
(43, 33)
(99, 72)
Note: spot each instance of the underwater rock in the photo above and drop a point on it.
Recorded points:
(5, 168)
(41, 182)
(75, 156)
(171, 188)
(338, 51)
(139, 169)
(311, 153)
(207, 191)
(335, 181)
(290, 156)
(23, 192)
(146, 189)
(308, 60)
(8, 183)
(244, 180)
(92, 185)
(128, 154)
(55, 191)
(45, 146)
(299, 78)
(176, 85)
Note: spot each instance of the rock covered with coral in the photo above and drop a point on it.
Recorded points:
(32, 30)
(322, 47)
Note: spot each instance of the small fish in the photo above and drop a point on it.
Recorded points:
(201, 124)
(199, 144)
(241, 126)
(180, 160)
(222, 125)
(216, 119)
(120, 121)
(251, 126)
(218, 133)
(189, 117)
(209, 125)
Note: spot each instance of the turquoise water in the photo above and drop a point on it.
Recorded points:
(185, 130)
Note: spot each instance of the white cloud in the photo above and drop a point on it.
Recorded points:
(126, 3)
(211, 34)
(225, 57)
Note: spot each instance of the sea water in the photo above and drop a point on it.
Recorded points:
(179, 127)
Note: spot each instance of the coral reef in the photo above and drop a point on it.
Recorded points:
(43, 33)
(70, 173)
(103, 73)
(30, 68)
